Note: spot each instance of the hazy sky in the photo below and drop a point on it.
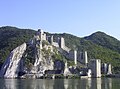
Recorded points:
(78, 17)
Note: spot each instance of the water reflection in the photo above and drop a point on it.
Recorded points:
(10, 83)
(107, 83)
(98, 83)
(71, 84)
(90, 83)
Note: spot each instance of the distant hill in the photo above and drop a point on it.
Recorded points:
(99, 45)
(100, 38)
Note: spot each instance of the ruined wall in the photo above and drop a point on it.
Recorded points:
(95, 66)
(82, 57)
(106, 68)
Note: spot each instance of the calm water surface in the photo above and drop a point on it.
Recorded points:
(90, 83)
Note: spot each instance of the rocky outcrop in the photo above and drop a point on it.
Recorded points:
(43, 59)
(12, 66)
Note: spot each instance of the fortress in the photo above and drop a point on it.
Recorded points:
(93, 67)
(60, 45)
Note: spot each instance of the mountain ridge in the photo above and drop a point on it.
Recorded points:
(103, 39)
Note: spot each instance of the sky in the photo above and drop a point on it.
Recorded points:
(77, 17)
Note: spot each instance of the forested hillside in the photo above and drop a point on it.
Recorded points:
(11, 37)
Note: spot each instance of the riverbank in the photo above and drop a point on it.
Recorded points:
(60, 76)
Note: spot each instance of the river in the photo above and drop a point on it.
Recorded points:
(90, 83)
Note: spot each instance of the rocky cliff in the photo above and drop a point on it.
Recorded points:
(43, 58)
(13, 65)
(36, 58)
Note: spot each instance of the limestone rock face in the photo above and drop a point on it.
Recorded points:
(12, 66)
(45, 64)
(43, 61)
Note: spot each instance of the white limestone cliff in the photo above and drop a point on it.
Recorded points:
(12, 65)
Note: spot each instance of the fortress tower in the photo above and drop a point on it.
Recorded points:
(86, 58)
(75, 57)
(62, 43)
(83, 58)
(51, 40)
(39, 37)
(106, 68)
(41, 34)
(109, 69)
(95, 66)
